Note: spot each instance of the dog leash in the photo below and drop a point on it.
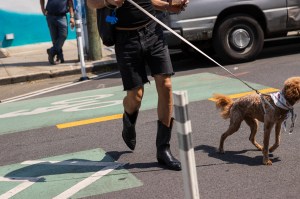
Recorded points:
(198, 50)
(189, 43)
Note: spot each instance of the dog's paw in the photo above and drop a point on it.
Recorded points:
(221, 151)
(267, 162)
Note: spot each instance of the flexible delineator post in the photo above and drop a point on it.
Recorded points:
(78, 24)
(186, 149)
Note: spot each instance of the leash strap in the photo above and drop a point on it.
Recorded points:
(264, 102)
(198, 50)
(293, 121)
(187, 42)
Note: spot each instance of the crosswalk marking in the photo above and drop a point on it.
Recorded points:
(26, 182)
(86, 182)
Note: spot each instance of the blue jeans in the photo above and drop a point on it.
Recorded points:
(58, 27)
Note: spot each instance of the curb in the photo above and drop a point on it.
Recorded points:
(100, 66)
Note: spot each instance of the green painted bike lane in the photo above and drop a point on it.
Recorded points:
(91, 172)
(50, 111)
(74, 175)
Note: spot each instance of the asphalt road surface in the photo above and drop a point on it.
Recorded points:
(66, 143)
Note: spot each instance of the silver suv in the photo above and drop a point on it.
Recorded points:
(236, 29)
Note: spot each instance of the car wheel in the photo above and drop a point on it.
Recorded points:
(238, 38)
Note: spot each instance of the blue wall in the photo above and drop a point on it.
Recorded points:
(27, 29)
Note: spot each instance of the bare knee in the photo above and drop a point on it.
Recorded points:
(167, 85)
(163, 84)
(132, 101)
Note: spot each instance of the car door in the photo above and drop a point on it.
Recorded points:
(293, 20)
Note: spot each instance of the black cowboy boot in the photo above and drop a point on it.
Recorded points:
(164, 155)
(128, 132)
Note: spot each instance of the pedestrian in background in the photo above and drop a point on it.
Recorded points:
(140, 42)
(56, 15)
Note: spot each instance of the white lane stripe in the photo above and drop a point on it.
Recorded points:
(31, 93)
(54, 88)
(19, 188)
(72, 163)
(104, 75)
(86, 182)
(92, 77)
(28, 181)
(18, 179)
(40, 93)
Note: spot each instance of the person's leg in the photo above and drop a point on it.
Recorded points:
(62, 33)
(165, 122)
(60, 56)
(132, 103)
(131, 63)
(160, 64)
(165, 101)
(51, 21)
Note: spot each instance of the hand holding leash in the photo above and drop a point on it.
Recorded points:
(176, 6)
(117, 3)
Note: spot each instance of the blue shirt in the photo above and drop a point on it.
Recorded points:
(57, 7)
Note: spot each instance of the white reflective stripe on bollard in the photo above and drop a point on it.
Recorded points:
(187, 155)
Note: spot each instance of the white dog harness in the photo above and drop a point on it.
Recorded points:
(280, 101)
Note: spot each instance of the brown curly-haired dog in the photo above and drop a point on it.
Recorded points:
(270, 109)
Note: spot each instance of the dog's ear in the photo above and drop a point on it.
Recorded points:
(291, 90)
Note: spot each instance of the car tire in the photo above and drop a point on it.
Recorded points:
(238, 38)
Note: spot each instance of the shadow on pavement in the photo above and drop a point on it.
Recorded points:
(142, 165)
(233, 157)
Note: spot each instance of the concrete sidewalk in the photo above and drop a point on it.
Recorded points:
(30, 62)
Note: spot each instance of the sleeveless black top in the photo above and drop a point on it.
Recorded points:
(129, 16)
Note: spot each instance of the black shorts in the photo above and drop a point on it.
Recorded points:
(135, 49)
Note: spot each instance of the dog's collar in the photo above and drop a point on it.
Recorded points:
(280, 101)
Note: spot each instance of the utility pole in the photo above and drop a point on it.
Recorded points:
(95, 44)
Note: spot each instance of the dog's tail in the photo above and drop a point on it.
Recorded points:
(224, 103)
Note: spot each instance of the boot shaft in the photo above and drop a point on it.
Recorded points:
(163, 133)
(128, 133)
(164, 155)
(130, 120)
